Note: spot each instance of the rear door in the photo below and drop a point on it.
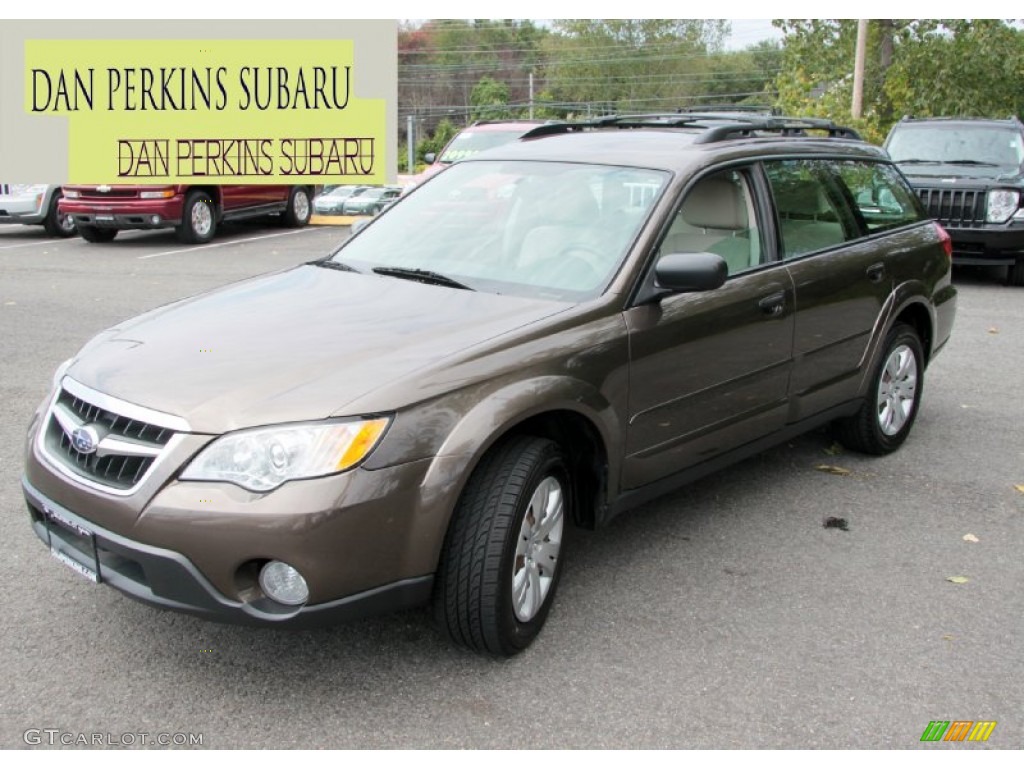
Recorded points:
(842, 274)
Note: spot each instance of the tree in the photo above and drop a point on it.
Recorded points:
(629, 65)
(924, 67)
(489, 100)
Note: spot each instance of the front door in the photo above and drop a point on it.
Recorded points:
(710, 371)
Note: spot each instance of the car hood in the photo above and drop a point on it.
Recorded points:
(952, 174)
(293, 346)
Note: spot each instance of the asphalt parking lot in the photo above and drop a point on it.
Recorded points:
(725, 615)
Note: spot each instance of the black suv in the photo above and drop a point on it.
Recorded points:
(969, 173)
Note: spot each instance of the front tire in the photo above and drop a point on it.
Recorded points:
(57, 225)
(501, 560)
(888, 413)
(95, 234)
(198, 219)
(299, 209)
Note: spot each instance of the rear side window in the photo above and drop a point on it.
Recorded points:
(882, 197)
(812, 207)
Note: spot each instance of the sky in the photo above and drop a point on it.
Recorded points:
(749, 31)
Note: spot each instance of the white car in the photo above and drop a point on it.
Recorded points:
(35, 204)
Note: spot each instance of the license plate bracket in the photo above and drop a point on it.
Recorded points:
(62, 533)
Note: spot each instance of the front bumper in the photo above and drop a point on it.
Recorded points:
(22, 209)
(991, 244)
(125, 213)
(365, 540)
(167, 579)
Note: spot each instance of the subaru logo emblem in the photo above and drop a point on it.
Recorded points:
(85, 439)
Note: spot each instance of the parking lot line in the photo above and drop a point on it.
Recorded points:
(25, 245)
(225, 242)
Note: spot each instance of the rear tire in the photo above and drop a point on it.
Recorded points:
(57, 225)
(95, 234)
(198, 219)
(299, 208)
(501, 560)
(890, 407)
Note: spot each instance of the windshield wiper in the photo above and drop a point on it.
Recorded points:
(918, 161)
(970, 162)
(329, 264)
(422, 276)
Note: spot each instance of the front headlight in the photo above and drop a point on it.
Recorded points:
(1002, 203)
(262, 459)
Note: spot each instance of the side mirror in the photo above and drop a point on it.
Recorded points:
(429, 158)
(686, 272)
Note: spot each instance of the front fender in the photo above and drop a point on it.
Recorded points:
(465, 436)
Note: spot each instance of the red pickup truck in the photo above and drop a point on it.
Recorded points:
(100, 212)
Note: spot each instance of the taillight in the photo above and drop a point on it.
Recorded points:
(945, 240)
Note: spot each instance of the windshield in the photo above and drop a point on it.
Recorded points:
(533, 229)
(469, 143)
(998, 149)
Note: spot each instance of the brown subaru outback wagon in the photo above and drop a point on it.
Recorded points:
(541, 336)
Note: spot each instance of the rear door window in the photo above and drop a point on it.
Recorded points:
(812, 208)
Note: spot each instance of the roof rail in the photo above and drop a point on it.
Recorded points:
(785, 126)
(717, 127)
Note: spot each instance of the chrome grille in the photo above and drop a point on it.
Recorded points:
(955, 207)
(119, 449)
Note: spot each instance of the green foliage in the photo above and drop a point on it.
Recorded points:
(444, 133)
(489, 100)
(924, 67)
(629, 65)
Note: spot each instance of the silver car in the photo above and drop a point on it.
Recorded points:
(35, 204)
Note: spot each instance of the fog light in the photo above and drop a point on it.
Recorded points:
(283, 583)
(155, 219)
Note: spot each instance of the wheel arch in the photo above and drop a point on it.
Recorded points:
(215, 194)
(568, 411)
(916, 313)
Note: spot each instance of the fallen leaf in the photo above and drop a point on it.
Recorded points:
(1019, 488)
(970, 537)
(832, 469)
(993, 329)
(957, 579)
(834, 450)
(947, 637)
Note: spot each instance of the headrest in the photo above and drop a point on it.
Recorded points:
(802, 197)
(715, 203)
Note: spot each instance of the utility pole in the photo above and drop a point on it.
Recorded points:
(857, 108)
(531, 95)
(410, 141)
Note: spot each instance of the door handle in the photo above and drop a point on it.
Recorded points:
(876, 272)
(774, 304)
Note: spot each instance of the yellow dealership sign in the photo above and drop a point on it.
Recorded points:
(222, 111)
